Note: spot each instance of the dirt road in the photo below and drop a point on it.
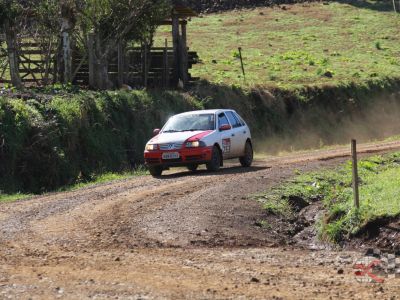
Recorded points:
(183, 236)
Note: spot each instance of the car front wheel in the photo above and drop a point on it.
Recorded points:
(155, 171)
(247, 159)
(192, 168)
(215, 162)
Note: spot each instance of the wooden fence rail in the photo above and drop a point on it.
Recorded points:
(36, 63)
(134, 66)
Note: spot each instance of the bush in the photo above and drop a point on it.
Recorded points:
(45, 144)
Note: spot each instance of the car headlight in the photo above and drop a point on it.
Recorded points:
(151, 147)
(195, 144)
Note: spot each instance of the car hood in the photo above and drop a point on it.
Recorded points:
(178, 137)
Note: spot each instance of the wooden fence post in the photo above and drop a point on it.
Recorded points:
(121, 64)
(184, 56)
(12, 55)
(144, 65)
(241, 62)
(67, 57)
(175, 38)
(355, 174)
(91, 61)
(166, 66)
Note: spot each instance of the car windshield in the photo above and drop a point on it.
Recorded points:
(190, 122)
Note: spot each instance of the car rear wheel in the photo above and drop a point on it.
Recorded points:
(155, 171)
(192, 168)
(247, 159)
(215, 162)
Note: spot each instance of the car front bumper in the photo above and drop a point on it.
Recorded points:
(187, 156)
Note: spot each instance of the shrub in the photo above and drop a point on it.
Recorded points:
(47, 144)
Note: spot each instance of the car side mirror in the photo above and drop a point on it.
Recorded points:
(156, 131)
(225, 127)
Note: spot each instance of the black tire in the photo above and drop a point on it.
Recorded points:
(155, 171)
(247, 159)
(215, 162)
(192, 168)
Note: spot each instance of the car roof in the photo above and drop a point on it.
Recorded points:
(206, 111)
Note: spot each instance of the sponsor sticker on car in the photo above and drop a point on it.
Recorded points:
(226, 145)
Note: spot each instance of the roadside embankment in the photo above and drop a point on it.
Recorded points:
(321, 204)
(60, 137)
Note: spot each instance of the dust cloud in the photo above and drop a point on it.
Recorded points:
(316, 126)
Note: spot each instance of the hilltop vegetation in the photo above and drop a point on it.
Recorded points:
(221, 5)
(304, 44)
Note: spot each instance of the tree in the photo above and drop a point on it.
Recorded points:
(9, 14)
(30, 17)
(109, 22)
(113, 21)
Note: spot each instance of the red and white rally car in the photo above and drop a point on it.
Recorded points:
(199, 137)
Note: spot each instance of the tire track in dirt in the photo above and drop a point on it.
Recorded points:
(183, 236)
(214, 209)
(148, 211)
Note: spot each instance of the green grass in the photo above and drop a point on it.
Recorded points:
(379, 195)
(96, 179)
(13, 197)
(105, 178)
(312, 44)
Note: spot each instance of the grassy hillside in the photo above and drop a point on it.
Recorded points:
(304, 44)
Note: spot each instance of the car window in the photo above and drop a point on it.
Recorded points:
(240, 119)
(222, 120)
(233, 119)
(190, 122)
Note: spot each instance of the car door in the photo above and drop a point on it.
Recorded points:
(226, 137)
(239, 133)
(245, 130)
